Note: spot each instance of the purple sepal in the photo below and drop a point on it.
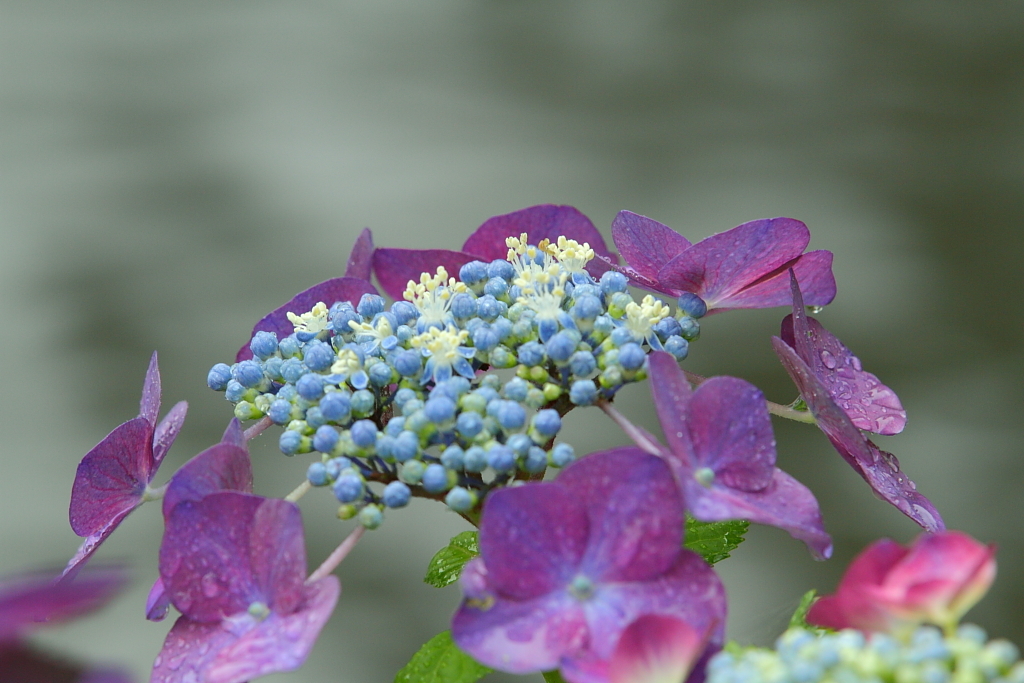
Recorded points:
(234, 434)
(222, 467)
(167, 431)
(722, 453)
(90, 545)
(149, 404)
(157, 602)
(544, 221)
(242, 647)
(337, 289)
(645, 244)
(772, 290)
(396, 267)
(360, 260)
(31, 600)
(21, 664)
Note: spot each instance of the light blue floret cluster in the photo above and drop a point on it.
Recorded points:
(848, 656)
(397, 395)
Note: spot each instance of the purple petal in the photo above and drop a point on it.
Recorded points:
(879, 469)
(167, 431)
(20, 664)
(112, 477)
(149, 405)
(672, 394)
(731, 433)
(645, 244)
(814, 269)
(329, 292)
(871, 405)
(234, 434)
(243, 648)
(635, 513)
(360, 261)
(90, 545)
(157, 602)
(521, 637)
(654, 649)
(722, 265)
(228, 550)
(30, 600)
(395, 267)
(222, 467)
(689, 591)
(532, 539)
(545, 221)
(785, 503)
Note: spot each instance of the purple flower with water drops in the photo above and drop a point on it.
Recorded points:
(721, 449)
(566, 566)
(395, 267)
(740, 268)
(814, 359)
(234, 565)
(113, 478)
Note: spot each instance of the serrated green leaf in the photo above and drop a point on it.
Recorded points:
(440, 661)
(799, 618)
(553, 677)
(447, 563)
(714, 540)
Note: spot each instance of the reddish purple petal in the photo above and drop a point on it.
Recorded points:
(880, 469)
(360, 261)
(722, 265)
(223, 467)
(89, 546)
(234, 434)
(395, 267)
(337, 289)
(785, 503)
(112, 477)
(167, 431)
(532, 539)
(149, 405)
(31, 600)
(672, 394)
(228, 550)
(870, 405)
(521, 637)
(157, 602)
(814, 270)
(635, 514)
(655, 649)
(545, 221)
(852, 605)
(645, 244)
(731, 433)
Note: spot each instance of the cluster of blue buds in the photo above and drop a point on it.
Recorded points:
(848, 656)
(405, 397)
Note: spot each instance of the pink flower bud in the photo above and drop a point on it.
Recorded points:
(890, 588)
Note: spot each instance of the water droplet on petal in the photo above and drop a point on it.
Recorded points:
(204, 648)
(210, 586)
(856, 363)
(828, 359)
(158, 661)
(175, 662)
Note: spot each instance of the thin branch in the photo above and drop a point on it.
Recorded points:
(299, 491)
(257, 429)
(339, 554)
(639, 436)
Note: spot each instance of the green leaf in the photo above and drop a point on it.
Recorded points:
(799, 618)
(440, 661)
(553, 677)
(714, 540)
(447, 563)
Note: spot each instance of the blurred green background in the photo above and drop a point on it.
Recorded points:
(172, 171)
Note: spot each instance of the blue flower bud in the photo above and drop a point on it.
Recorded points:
(583, 392)
(371, 516)
(547, 422)
(364, 433)
(473, 272)
(692, 305)
(469, 424)
(666, 327)
(460, 499)
(475, 459)
(485, 338)
(362, 403)
(463, 306)
(248, 373)
(562, 454)
(489, 308)
(220, 375)
(560, 347)
(280, 412)
(535, 398)
(234, 391)
(603, 325)
(488, 392)
(408, 363)
(520, 444)
(317, 474)
(678, 347)
(452, 458)
(290, 442)
(515, 389)
(622, 335)
(386, 447)
(263, 344)
(349, 487)
(510, 415)
(501, 458)
(310, 386)
(370, 305)
(315, 418)
(439, 410)
(586, 308)
(496, 287)
(501, 268)
(318, 356)
(690, 329)
(325, 439)
(292, 369)
(395, 425)
(272, 368)
(287, 392)
(412, 471)
(536, 460)
(613, 281)
(531, 354)
(546, 328)
(335, 466)
(380, 374)
(289, 347)
(631, 356)
(396, 495)
(407, 446)
(458, 385)
(435, 478)
(582, 363)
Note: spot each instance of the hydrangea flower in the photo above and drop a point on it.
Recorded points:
(566, 566)
(234, 565)
(113, 478)
(891, 588)
(656, 649)
(396, 267)
(813, 362)
(722, 452)
(740, 268)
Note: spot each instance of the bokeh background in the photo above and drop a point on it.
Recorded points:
(171, 171)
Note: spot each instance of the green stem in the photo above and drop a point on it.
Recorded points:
(299, 491)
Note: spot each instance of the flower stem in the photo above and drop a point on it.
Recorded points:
(639, 436)
(154, 494)
(299, 491)
(257, 429)
(339, 554)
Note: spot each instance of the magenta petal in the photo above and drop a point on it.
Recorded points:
(852, 606)
(234, 434)
(149, 405)
(31, 600)
(635, 514)
(721, 265)
(521, 637)
(223, 467)
(360, 261)
(112, 477)
(329, 292)
(672, 395)
(395, 267)
(545, 221)
(655, 649)
(89, 545)
(731, 433)
(814, 270)
(785, 503)
(157, 602)
(881, 470)
(167, 431)
(555, 522)
(645, 244)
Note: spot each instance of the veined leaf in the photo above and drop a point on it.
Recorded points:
(714, 540)
(447, 563)
(440, 661)
(799, 618)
